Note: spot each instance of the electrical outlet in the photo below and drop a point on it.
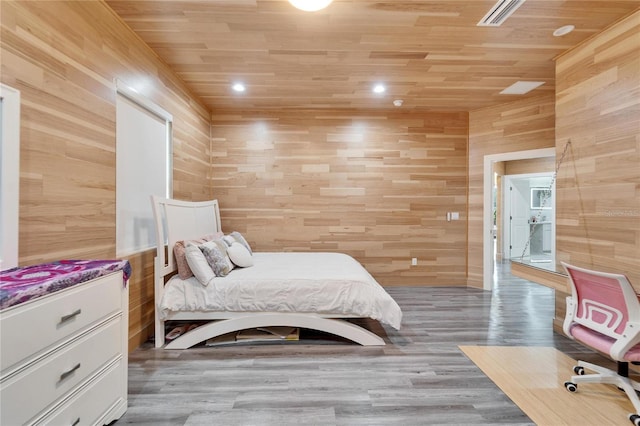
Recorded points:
(414, 261)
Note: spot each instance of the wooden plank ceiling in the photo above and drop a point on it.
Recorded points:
(430, 54)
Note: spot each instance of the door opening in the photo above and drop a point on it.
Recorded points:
(530, 223)
(487, 230)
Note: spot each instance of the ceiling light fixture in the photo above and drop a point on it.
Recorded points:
(310, 5)
(238, 87)
(521, 87)
(378, 88)
(564, 30)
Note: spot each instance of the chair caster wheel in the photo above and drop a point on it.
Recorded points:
(635, 419)
(578, 370)
(571, 387)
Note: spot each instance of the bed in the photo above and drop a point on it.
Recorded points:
(310, 290)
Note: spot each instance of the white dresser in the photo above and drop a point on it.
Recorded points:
(63, 357)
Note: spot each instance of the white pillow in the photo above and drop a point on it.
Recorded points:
(239, 238)
(239, 255)
(198, 264)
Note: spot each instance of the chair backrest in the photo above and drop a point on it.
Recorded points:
(604, 302)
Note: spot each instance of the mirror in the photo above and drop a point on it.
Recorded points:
(541, 198)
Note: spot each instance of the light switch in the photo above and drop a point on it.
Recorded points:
(455, 216)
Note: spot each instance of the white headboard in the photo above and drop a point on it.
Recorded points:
(180, 220)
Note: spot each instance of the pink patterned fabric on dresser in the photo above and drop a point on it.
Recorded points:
(18, 285)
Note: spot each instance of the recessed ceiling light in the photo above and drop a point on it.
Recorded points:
(238, 87)
(564, 30)
(521, 87)
(378, 88)
(310, 5)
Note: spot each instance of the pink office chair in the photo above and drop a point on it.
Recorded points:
(603, 313)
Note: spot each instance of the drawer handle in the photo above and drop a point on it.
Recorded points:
(76, 422)
(69, 372)
(70, 316)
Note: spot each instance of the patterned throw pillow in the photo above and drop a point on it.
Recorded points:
(216, 254)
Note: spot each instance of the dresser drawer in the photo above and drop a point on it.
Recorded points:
(30, 328)
(30, 391)
(99, 402)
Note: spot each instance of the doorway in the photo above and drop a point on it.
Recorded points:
(529, 218)
(487, 238)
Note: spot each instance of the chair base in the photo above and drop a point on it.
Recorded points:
(608, 376)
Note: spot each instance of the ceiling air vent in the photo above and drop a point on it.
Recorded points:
(500, 12)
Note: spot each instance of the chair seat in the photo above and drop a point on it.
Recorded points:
(601, 342)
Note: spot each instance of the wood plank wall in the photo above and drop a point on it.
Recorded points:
(532, 165)
(376, 186)
(509, 127)
(598, 109)
(64, 58)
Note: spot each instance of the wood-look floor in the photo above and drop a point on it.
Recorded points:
(420, 377)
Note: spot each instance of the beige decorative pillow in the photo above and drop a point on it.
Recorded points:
(184, 271)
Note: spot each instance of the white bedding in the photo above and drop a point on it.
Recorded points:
(323, 283)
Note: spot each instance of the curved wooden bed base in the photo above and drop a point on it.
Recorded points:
(181, 220)
(334, 326)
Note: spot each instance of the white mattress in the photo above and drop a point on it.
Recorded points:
(324, 283)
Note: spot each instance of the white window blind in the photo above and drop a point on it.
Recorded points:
(143, 168)
(9, 175)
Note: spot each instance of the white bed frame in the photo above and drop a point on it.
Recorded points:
(184, 220)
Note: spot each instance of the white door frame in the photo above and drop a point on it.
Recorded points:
(487, 222)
